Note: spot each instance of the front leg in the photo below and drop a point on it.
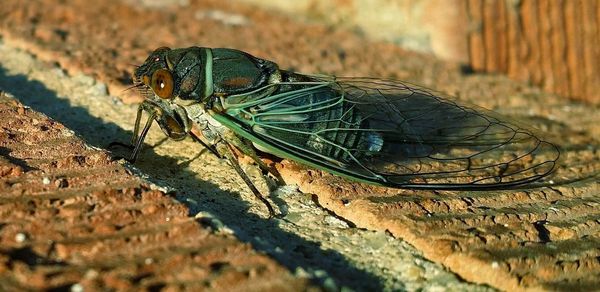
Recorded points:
(138, 140)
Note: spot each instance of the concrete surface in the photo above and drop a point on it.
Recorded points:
(545, 238)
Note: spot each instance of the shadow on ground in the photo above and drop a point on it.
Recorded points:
(287, 248)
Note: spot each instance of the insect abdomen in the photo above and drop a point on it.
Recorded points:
(323, 121)
(339, 135)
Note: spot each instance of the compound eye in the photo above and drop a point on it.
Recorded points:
(162, 83)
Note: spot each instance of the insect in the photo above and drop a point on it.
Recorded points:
(382, 132)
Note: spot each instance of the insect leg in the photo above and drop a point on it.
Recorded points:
(210, 148)
(136, 142)
(228, 152)
(139, 141)
(136, 128)
(247, 149)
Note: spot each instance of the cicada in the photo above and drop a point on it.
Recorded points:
(376, 131)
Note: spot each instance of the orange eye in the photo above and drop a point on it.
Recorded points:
(162, 83)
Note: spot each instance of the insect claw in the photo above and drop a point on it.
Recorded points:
(124, 145)
(117, 143)
(280, 216)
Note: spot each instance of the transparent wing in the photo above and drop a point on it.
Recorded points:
(394, 134)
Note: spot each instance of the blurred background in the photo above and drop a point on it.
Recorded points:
(553, 44)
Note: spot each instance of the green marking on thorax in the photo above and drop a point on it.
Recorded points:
(208, 79)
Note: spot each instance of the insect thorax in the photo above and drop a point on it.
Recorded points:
(210, 128)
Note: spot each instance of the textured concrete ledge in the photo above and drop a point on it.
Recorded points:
(530, 239)
(72, 218)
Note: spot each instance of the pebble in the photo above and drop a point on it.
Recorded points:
(77, 288)
(20, 237)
